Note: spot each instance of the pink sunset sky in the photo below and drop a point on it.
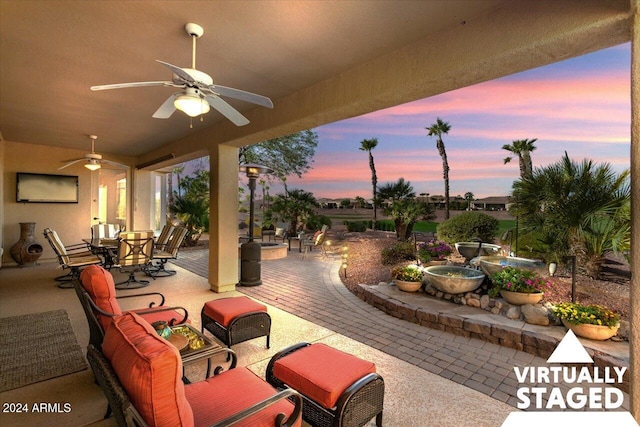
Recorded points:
(581, 106)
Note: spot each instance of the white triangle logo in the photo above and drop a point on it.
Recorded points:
(570, 351)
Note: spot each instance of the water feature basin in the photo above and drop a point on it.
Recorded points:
(473, 249)
(492, 264)
(453, 279)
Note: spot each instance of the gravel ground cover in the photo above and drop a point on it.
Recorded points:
(365, 267)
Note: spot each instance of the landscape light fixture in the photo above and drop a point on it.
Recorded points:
(250, 252)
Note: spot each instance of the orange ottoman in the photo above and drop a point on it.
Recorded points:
(236, 319)
(338, 389)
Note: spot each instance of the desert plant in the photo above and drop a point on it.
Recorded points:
(467, 226)
(356, 226)
(295, 207)
(401, 251)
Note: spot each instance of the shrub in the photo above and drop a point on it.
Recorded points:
(356, 226)
(317, 221)
(401, 251)
(468, 225)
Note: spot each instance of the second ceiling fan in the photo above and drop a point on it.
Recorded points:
(198, 91)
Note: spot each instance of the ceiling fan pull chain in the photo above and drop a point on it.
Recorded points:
(190, 122)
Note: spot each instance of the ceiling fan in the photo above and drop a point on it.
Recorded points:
(199, 92)
(92, 160)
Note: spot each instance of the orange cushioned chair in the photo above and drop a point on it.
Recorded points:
(338, 389)
(97, 294)
(236, 319)
(149, 369)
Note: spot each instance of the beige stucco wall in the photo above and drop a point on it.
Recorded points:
(71, 221)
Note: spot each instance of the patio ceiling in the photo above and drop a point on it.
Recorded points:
(318, 61)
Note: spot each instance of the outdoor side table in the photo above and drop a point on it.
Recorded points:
(200, 347)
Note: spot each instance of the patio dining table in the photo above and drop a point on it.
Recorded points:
(105, 248)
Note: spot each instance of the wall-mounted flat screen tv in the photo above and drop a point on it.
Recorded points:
(43, 188)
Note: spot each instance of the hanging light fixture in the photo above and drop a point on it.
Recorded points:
(92, 165)
(191, 104)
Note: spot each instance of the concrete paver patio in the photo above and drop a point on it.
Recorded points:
(311, 289)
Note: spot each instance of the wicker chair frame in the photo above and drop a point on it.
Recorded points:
(127, 415)
(243, 328)
(91, 311)
(359, 403)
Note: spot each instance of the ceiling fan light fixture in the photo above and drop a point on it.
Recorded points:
(191, 105)
(92, 165)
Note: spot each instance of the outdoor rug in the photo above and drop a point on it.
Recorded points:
(37, 347)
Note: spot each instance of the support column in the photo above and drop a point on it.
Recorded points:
(223, 222)
(634, 344)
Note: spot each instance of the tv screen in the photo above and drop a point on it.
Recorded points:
(43, 188)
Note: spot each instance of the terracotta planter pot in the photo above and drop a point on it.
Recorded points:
(435, 262)
(592, 332)
(521, 298)
(407, 286)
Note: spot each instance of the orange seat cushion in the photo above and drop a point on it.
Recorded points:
(99, 284)
(150, 370)
(321, 373)
(166, 315)
(230, 392)
(224, 310)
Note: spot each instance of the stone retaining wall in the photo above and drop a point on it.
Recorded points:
(507, 336)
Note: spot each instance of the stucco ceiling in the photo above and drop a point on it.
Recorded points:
(51, 52)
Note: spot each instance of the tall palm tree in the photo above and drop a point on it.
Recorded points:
(437, 129)
(368, 145)
(522, 148)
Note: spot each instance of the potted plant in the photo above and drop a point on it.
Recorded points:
(588, 321)
(518, 286)
(407, 278)
(434, 252)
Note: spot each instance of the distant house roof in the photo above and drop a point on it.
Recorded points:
(493, 200)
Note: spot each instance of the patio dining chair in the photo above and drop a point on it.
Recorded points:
(316, 241)
(73, 257)
(163, 238)
(170, 252)
(105, 231)
(135, 250)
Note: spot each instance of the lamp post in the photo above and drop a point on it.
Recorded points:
(250, 256)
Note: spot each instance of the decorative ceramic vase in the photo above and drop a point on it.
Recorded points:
(592, 332)
(407, 286)
(521, 298)
(26, 250)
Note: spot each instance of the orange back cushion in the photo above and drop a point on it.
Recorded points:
(99, 284)
(150, 369)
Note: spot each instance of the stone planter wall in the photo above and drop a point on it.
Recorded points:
(507, 336)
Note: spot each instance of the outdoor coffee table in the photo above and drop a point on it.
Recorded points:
(299, 238)
(200, 347)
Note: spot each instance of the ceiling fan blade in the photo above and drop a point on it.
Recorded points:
(166, 109)
(227, 110)
(241, 95)
(133, 84)
(178, 71)
(120, 165)
(74, 160)
(71, 163)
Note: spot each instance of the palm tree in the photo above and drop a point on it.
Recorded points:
(368, 145)
(437, 129)
(522, 148)
(469, 197)
(584, 206)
